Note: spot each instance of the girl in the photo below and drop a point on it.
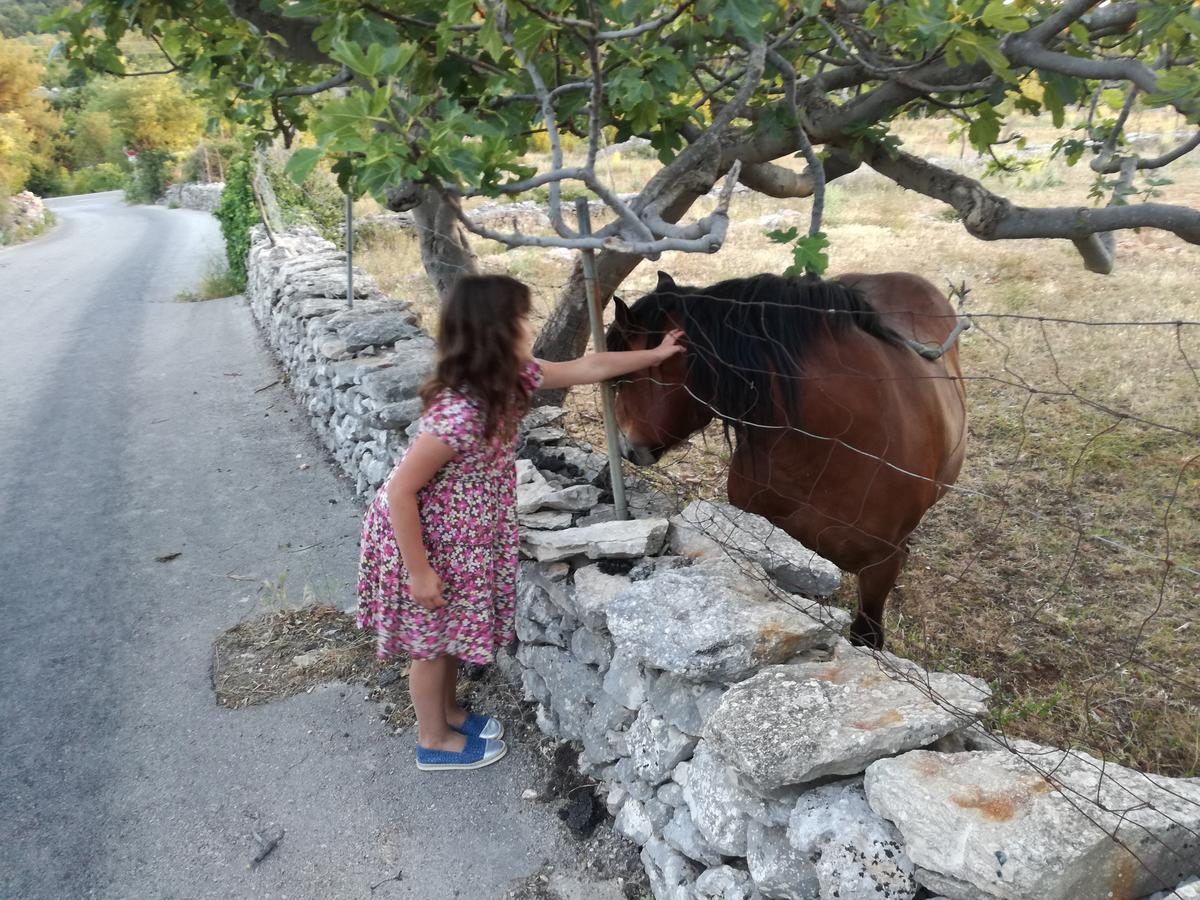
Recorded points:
(437, 578)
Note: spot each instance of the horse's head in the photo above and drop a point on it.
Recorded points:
(655, 410)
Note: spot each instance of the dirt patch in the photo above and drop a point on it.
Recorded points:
(287, 652)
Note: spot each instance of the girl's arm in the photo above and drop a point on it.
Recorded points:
(595, 367)
(427, 455)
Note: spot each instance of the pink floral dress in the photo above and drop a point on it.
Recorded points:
(469, 526)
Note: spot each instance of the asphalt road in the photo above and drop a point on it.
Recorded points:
(130, 428)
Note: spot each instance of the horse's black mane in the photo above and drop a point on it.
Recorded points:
(745, 332)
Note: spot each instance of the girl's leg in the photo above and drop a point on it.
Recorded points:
(427, 684)
(455, 714)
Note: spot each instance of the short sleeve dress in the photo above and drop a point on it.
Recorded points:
(469, 526)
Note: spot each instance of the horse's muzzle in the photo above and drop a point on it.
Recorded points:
(637, 454)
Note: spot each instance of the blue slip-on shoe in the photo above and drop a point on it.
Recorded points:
(482, 727)
(475, 755)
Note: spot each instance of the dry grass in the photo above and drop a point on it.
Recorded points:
(1046, 573)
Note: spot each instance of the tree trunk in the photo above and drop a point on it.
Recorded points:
(567, 330)
(445, 247)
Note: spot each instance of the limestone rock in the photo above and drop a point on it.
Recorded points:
(725, 883)
(1185, 890)
(544, 520)
(575, 498)
(655, 747)
(626, 681)
(989, 823)
(718, 804)
(360, 329)
(723, 528)
(612, 540)
(683, 703)
(607, 718)
(671, 873)
(573, 687)
(633, 823)
(397, 416)
(681, 833)
(592, 648)
(594, 591)
(402, 380)
(797, 723)
(707, 624)
(854, 851)
(541, 416)
(778, 869)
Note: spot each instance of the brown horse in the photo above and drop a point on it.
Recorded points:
(845, 433)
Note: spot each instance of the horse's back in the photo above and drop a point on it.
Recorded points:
(910, 304)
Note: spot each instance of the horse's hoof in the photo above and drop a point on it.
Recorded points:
(866, 635)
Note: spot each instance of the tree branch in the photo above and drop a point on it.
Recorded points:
(297, 32)
(307, 90)
(1112, 166)
(990, 217)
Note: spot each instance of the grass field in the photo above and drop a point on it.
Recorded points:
(1066, 569)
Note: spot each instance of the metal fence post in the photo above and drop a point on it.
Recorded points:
(591, 289)
(349, 248)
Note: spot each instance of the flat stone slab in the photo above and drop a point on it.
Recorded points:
(709, 623)
(608, 540)
(796, 723)
(722, 528)
(402, 380)
(988, 824)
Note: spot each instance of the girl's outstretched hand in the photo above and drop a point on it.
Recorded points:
(671, 344)
(426, 589)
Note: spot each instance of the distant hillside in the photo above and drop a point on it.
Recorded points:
(19, 17)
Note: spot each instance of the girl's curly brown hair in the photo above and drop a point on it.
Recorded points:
(478, 334)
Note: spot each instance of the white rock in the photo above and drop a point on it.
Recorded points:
(989, 823)
(671, 873)
(855, 852)
(718, 803)
(545, 520)
(729, 529)
(778, 869)
(682, 834)
(656, 747)
(626, 681)
(725, 883)
(527, 472)
(708, 624)
(1186, 890)
(594, 591)
(614, 540)
(575, 498)
(633, 823)
(797, 723)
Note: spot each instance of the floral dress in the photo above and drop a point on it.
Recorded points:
(469, 526)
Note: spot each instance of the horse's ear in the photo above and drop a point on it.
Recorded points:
(665, 282)
(620, 311)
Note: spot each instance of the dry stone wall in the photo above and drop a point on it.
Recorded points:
(204, 196)
(747, 748)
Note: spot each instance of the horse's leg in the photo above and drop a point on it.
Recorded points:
(875, 582)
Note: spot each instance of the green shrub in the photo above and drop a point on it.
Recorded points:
(150, 177)
(100, 177)
(238, 213)
(318, 202)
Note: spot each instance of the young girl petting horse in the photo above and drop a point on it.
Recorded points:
(437, 576)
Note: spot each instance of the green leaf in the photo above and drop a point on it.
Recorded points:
(809, 256)
(302, 162)
(985, 128)
(1000, 15)
(782, 237)
(351, 55)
